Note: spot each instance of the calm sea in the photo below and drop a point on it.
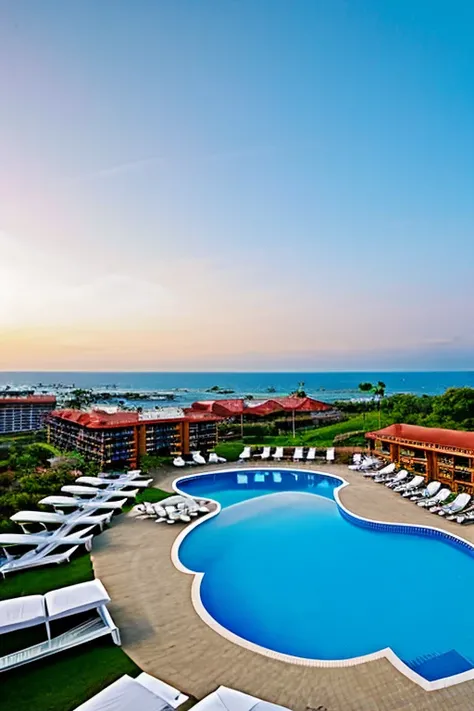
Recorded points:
(192, 386)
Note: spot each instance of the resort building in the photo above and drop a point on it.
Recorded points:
(444, 455)
(24, 414)
(114, 438)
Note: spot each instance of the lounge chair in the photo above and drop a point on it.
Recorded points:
(401, 476)
(356, 458)
(456, 506)
(298, 454)
(365, 464)
(66, 521)
(198, 458)
(266, 453)
(245, 454)
(330, 455)
(215, 459)
(383, 473)
(311, 456)
(467, 517)
(179, 462)
(466, 512)
(439, 498)
(278, 454)
(431, 490)
(412, 485)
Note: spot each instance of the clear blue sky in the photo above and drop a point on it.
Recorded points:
(190, 184)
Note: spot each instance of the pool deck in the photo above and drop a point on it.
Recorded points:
(151, 603)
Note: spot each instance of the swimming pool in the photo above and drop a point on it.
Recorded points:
(284, 569)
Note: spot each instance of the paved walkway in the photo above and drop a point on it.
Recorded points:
(162, 633)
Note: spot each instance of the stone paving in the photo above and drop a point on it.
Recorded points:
(151, 603)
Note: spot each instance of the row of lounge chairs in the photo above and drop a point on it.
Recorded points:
(197, 458)
(297, 455)
(173, 509)
(148, 693)
(432, 496)
(89, 504)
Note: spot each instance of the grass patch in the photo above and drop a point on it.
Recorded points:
(314, 437)
(230, 450)
(152, 495)
(41, 581)
(64, 681)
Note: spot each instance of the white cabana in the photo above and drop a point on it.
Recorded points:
(74, 599)
(21, 612)
(225, 699)
(125, 694)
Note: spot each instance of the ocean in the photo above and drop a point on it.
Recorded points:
(187, 387)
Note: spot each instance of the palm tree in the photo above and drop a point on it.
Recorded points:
(379, 392)
(365, 388)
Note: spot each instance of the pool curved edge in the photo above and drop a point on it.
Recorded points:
(386, 653)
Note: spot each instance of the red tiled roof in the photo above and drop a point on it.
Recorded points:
(97, 419)
(231, 408)
(432, 436)
(29, 400)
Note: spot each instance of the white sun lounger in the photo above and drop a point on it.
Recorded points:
(415, 483)
(456, 506)
(64, 502)
(278, 454)
(401, 476)
(179, 462)
(384, 472)
(311, 456)
(245, 454)
(266, 453)
(198, 458)
(42, 518)
(331, 454)
(439, 498)
(113, 484)
(225, 699)
(298, 455)
(215, 459)
(431, 490)
(98, 494)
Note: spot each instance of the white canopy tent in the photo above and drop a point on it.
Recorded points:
(125, 694)
(225, 699)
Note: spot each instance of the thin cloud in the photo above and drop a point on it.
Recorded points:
(119, 169)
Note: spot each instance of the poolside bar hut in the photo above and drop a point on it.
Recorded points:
(438, 454)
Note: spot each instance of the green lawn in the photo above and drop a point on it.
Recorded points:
(315, 437)
(64, 681)
(42, 580)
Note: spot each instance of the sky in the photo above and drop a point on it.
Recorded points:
(236, 184)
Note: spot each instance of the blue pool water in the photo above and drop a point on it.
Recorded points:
(285, 570)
